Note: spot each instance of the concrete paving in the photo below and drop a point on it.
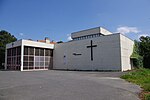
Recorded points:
(65, 85)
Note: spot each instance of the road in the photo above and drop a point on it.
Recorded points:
(65, 85)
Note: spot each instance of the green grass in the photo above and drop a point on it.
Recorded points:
(147, 96)
(140, 77)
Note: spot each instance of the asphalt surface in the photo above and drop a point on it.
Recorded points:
(65, 85)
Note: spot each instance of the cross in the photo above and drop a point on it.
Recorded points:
(91, 46)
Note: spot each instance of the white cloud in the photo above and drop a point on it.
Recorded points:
(126, 29)
(21, 34)
(142, 35)
(69, 37)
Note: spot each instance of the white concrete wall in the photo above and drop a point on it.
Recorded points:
(126, 51)
(106, 54)
(30, 43)
(104, 31)
(14, 44)
(37, 44)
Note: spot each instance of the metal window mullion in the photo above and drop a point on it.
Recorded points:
(44, 58)
(28, 58)
(34, 59)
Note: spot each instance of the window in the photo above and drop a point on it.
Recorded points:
(37, 51)
(42, 58)
(25, 58)
(47, 59)
(47, 52)
(41, 52)
(13, 58)
(31, 64)
(31, 58)
(36, 58)
(37, 64)
(46, 64)
(51, 53)
(25, 50)
(41, 64)
(18, 60)
(18, 51)
(25, 64)
(31, 51)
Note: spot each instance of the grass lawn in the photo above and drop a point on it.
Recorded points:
(140, 77)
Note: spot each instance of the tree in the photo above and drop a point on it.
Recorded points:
(136, 57)
(145, 50)
(5, 38)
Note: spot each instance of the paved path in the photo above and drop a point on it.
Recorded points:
(65, 85)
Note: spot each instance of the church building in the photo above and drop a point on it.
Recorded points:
(91, 49)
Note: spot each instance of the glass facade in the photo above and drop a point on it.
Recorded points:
(14, 58)
(37, 58)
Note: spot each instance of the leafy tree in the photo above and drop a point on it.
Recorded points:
(136, 57)
(5, 38)
(145, 50)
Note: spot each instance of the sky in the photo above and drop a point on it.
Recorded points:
(56, 19)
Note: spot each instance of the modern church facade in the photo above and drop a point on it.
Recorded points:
(92, 49)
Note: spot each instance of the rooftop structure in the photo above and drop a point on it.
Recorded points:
(90, 33)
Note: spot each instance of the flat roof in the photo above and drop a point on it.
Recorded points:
(30, 43)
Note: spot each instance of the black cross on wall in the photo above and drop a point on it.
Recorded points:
(91, 46)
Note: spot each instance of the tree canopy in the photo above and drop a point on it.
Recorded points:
(141, 52)
(145, 50)
(5, 38)
(136, 57)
